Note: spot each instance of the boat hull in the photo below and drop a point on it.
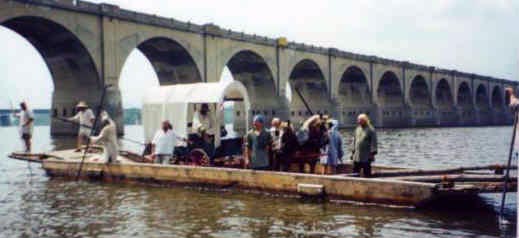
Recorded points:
(334, 187)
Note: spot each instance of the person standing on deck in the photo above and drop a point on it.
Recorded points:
(205, 119)
(26, 118)
(163, 144)
(334, 150)
(364, 146)
(85, 117)
(108, 138)
(258, 143)
(275, 133)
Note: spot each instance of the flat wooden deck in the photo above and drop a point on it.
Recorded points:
(385, 190)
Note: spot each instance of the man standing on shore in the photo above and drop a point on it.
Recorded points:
(26, 117)
(258, 144)
(364, 146)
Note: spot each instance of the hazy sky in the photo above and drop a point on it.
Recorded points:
(479, 36)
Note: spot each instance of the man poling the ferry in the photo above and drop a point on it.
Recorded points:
(108, 138)
(85, 118)
(364, 146)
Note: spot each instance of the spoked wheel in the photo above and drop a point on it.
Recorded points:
(198, 157)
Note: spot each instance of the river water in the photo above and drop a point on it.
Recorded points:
(33, 205)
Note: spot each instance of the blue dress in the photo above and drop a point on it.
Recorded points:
(335, 151)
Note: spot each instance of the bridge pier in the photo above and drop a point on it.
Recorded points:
(422, 116)
(392, 117)
(64, 101)
(447, 117)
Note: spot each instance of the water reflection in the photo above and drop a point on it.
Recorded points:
(35, 205)
(73, 209)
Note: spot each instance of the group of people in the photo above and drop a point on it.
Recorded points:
(276, 148)
(84, 118)
(317, 140)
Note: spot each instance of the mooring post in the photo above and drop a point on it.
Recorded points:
(507, 174)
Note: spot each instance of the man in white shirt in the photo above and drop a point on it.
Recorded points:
(163, 144)
(204, 118)
(85, 118)
(26, 118)
(275, 133)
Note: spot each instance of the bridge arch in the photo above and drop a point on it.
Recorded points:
(389, 91)
(443, 95)
(308, 78)
(419, 93)
(72, 68)
(482, 101)
(171, 61)
(252, 70)
(497, 98)
(353, 88)
(464, 98)
(69, 62)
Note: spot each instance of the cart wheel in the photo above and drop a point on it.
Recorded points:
(199, 157)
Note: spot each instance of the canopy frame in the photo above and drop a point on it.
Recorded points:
(177, 104)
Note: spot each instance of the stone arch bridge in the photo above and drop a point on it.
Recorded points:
(85, 46)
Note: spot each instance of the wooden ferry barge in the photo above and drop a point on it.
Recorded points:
(393, 186)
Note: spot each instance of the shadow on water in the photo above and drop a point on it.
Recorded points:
(56, 208)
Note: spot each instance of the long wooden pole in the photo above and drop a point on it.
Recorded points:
(304, 101)
(91, 127)
(415, 172)
(96, 120)
(507, 174)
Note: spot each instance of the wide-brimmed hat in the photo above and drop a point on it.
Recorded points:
(82, 104)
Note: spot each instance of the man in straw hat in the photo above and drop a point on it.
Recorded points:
(364, 146)
(85, 118)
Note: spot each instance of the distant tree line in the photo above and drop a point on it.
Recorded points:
(132, 116)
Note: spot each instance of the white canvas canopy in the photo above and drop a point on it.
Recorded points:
(177, 103)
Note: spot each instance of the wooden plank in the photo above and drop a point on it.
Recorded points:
(494, 187)
(413, 172)
(454, 178)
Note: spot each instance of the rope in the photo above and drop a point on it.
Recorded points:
(90, 127)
